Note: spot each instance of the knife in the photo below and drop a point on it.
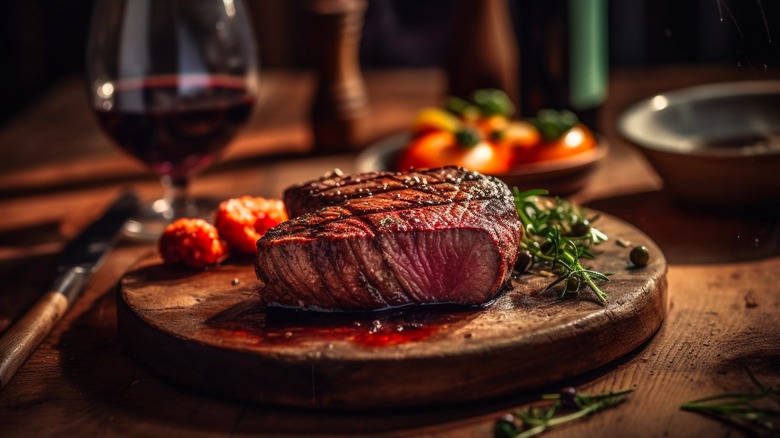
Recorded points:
(80, 258)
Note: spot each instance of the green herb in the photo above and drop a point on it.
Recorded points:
(557, 235)
(553, 124)
(468, 137)
(457, 106)
(752, 411)
(484, 103)
(386, 221)
(534, 420)
(491, 101)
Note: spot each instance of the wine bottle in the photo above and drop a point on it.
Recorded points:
(563, 56)
(483, 53)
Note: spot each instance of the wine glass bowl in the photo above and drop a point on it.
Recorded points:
(171, 82)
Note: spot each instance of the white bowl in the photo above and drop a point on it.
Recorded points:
(716, 144)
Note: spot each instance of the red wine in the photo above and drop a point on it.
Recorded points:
(175, 124)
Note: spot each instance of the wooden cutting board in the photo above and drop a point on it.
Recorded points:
(207, 330)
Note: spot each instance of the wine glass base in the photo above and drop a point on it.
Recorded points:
(149, 224)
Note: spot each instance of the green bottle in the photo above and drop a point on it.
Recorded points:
(563, 56)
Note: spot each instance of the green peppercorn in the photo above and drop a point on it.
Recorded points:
(507, 426)
(567, 397)
(524, 261)
(580, 228)
(640, 256)
(548, 247)
(573, 284)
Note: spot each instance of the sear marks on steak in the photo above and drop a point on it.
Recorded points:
(386, 239)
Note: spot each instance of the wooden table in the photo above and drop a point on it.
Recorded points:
(57, 172)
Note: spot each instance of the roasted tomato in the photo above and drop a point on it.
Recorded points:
(575, 141)
(493, 127)
(242, 221)
(518, 134)
(193, 242)
(560, 136)
(466, 148)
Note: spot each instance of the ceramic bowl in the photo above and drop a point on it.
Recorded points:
(559, 177)
(716, 144)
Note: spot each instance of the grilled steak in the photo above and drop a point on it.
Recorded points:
(385, 239)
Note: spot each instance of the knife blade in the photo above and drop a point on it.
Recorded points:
(79, 259)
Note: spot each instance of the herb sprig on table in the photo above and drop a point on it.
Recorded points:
(558, 234)
(535, 420)
(754, 411)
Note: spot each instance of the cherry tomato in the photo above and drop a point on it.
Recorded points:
(193, 242)
(575, 141)
(442, 148)
(493, 127)
(242, 221)
(519, 134)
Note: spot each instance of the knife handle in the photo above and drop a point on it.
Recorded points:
(18, 343)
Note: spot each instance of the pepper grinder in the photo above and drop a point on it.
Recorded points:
(339, 111)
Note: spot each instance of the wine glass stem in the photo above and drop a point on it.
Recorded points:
(177, 198)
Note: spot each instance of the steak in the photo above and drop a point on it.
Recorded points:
(386, 239)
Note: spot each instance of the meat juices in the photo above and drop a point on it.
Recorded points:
(386, 239)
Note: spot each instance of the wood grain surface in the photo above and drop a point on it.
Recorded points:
(724, 279)
(209, 331)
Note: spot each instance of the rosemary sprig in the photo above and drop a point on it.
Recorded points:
(752, 410)
(557, 235)
(533, 421)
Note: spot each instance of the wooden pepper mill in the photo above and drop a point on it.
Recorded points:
(483, 50)
(339, 112)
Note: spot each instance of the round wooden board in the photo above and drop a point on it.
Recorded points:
(203, 330)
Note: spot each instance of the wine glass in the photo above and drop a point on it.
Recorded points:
(171, 81)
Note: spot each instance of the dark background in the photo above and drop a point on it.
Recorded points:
(43, 41)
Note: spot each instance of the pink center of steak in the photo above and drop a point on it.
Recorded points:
(451, 266)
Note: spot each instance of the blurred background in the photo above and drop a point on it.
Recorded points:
(43, 41)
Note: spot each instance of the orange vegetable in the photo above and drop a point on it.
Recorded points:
(242, 221)
(493, 127)
(466, 148)
(193, 242)
(519, 134)
(575, 141)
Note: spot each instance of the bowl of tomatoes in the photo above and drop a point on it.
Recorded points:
(553, 150)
